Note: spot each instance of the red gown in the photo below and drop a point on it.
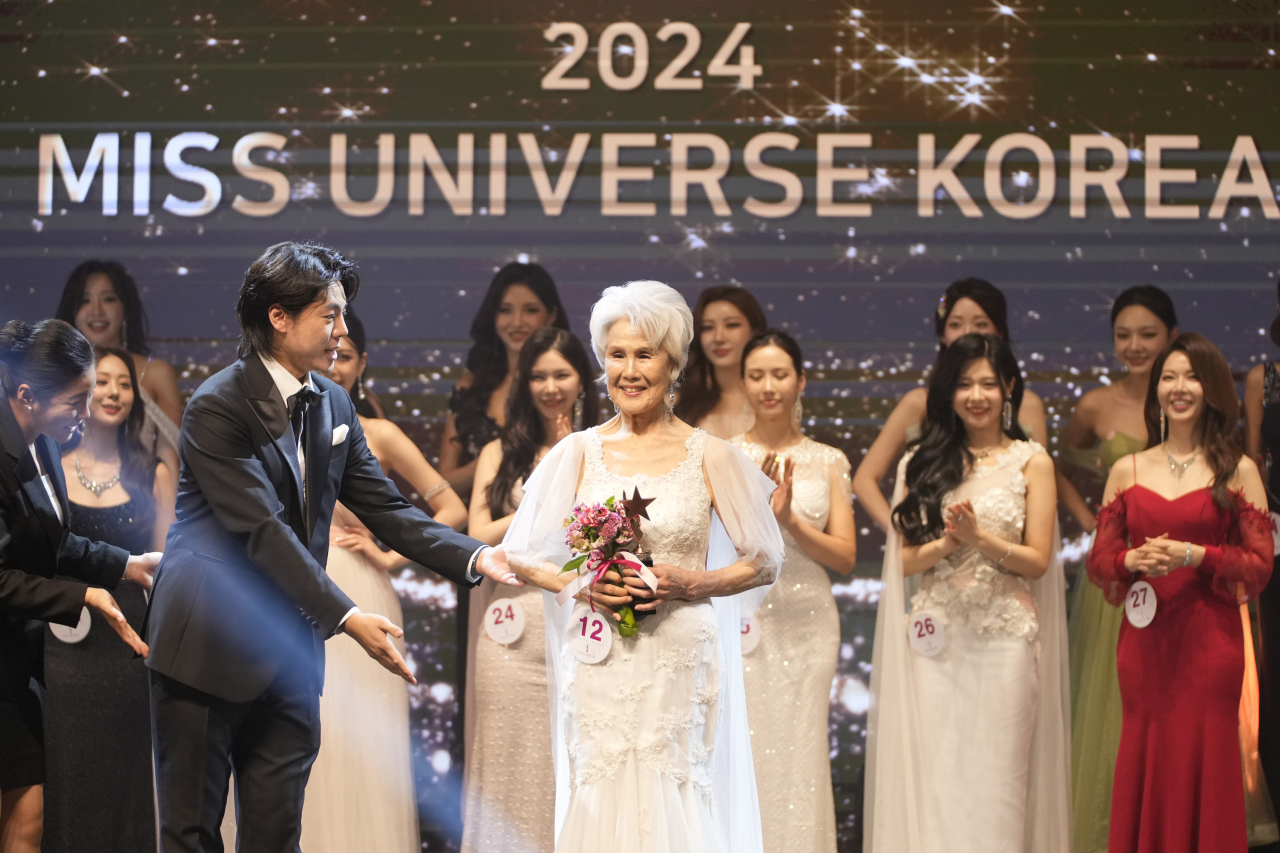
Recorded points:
(1178, 785)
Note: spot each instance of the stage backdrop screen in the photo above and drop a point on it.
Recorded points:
(844, 161)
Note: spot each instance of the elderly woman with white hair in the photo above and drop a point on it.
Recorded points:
(652, 750)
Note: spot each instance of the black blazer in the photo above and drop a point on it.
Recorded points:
(34, 547)
(242, 590)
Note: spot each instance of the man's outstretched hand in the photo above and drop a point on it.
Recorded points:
(492, 563)
(141, 568)
(374, 633)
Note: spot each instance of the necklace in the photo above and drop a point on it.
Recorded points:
(984, 452)
(96, 488)
(1179, 468)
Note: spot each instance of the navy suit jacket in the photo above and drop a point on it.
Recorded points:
(34, 548)
(242, 592)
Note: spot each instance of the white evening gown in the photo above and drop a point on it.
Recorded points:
(510, 788)
(968, 749)
(651, 762)
(789, 675)
(360, 795)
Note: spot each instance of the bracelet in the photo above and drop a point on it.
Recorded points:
(436, 489)
(1187, 561)
(1000, 562)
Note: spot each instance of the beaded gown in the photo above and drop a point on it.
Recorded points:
(510, 790)
(97, 713)
(789, 674)
(1178, 773)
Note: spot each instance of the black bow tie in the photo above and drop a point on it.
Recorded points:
(298, 404)
(305, 397)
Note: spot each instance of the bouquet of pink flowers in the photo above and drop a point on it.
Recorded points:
(597, 534)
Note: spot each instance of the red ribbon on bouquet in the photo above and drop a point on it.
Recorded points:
(593, 574)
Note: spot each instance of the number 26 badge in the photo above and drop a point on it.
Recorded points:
(926, 635)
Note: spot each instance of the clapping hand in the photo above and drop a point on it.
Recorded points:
(961, 523)
(780, 471)
(562, 428)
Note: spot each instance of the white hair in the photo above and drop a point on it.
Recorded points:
(656, 309)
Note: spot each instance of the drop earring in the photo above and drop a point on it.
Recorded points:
(124, 334)
(1006, 415)
(360, 386)
(1164, 427)
(577, 411)
(798, 411)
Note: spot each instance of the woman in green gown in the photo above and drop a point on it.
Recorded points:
(1107, 425)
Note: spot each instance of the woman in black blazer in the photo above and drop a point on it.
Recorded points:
(47, 376)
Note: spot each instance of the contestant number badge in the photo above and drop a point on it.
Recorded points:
(1140, 604)
(750, 635)
(504, 621)
(76, 634)
(926, 634)
(590, 636)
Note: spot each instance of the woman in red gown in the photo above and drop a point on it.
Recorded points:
(1187, 516)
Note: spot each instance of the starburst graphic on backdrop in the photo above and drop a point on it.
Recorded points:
(875, 66)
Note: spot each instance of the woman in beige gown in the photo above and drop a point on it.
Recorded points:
(509, 789)
(789, 673)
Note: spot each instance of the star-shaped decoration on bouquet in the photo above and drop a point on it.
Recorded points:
(636, 505)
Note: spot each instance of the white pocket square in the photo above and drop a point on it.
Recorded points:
(339, 435)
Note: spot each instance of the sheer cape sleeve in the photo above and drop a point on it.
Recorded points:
(1110, 544)
(741, 491)
(1240, 567)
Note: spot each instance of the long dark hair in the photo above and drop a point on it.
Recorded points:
(291, 275)
(135, 315)
(1221, 413)
(700, 392)
(524, 431)
(981, 291)
(137, 464)
(487, 358)
(942, 452)
(48, 357)
(1274, 331)
(355, 334)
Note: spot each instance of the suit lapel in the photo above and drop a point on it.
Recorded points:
(318, 434)
(39, 498)
(52, 462)
(269, 407)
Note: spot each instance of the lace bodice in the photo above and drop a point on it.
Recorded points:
(811, 481)
(679, 522)
(968, 586)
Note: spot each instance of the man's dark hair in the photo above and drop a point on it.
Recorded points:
(291, 275)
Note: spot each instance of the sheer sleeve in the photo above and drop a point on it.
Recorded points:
(1110, 543)
(840, 471)
(741, 492)
(1240, 567)
(536, 534)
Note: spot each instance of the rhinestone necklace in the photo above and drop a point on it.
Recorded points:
(1180, 468)
(96, 488)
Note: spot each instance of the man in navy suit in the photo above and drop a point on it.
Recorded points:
(242, 604)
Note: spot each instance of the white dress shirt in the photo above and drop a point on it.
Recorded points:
(48, 485)
(288, 385)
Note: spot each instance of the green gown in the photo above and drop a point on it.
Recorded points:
(1094, 630)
